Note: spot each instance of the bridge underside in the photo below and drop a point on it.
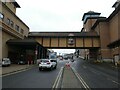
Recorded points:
(67, 40)
(65, 43)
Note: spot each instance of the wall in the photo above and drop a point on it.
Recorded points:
(89, 24)
(113, 28)
(8, 14)
(5, 38)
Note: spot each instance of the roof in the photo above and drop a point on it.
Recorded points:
(16, 4)
(116, 3)
(90, 13)
(100, 19)
(104, 19)
(114, 13)
(114, 44)
(63, 34)
(22, 42)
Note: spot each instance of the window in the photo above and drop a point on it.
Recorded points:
(8, 21)
(17, 28)
(22, 31)
(12, 23)
(1, 16)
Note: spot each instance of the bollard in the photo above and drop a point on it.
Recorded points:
(28, 63)
(67, 65)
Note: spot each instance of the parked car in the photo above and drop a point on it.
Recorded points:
(22, 62)
(47, 64)
(6, 62)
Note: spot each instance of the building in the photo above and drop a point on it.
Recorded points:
(109, 31)
(11, 27)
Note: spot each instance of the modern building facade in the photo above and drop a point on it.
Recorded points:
(109, 31)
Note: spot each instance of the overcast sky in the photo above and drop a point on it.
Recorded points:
(60, 15)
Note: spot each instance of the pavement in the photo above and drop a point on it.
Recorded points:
(14, 68)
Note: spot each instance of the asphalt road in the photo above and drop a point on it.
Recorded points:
(97, 76)
(32, 78)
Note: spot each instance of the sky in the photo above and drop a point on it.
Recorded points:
(60, 15)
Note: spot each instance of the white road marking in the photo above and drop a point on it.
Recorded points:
(81, 80)
(57, 81)
(15, 72)
(113, 81)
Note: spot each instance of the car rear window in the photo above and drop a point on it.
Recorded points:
(53, 60)
(44, 61)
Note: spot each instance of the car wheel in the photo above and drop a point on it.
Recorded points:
(51, 67)
(40, 69)
(55, 67)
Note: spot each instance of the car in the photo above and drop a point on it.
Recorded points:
(22, 62)
(6, 62)
(47, 64)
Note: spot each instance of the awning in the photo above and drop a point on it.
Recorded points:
(114, 44)
(19, 42)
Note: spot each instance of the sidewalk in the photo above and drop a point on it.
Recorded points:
(13, 68)
(69, 79)
(108, 65)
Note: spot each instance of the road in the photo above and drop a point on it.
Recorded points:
(94, 75)
(32, 78)
(97, 76)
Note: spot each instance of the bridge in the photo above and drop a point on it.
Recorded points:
(37, 43)
(67, 40)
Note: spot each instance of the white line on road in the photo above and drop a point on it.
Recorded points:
(113, 81)
(57, 81)
(16, 72)
(81, 80)
(116, 82)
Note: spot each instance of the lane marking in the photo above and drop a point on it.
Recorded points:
(57, 80)
(81, 80)
(113, 81)
(15, 72)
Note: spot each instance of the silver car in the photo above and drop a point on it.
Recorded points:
(47, 64)
(6, 62)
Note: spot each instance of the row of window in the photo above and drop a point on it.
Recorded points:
(11, 23)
